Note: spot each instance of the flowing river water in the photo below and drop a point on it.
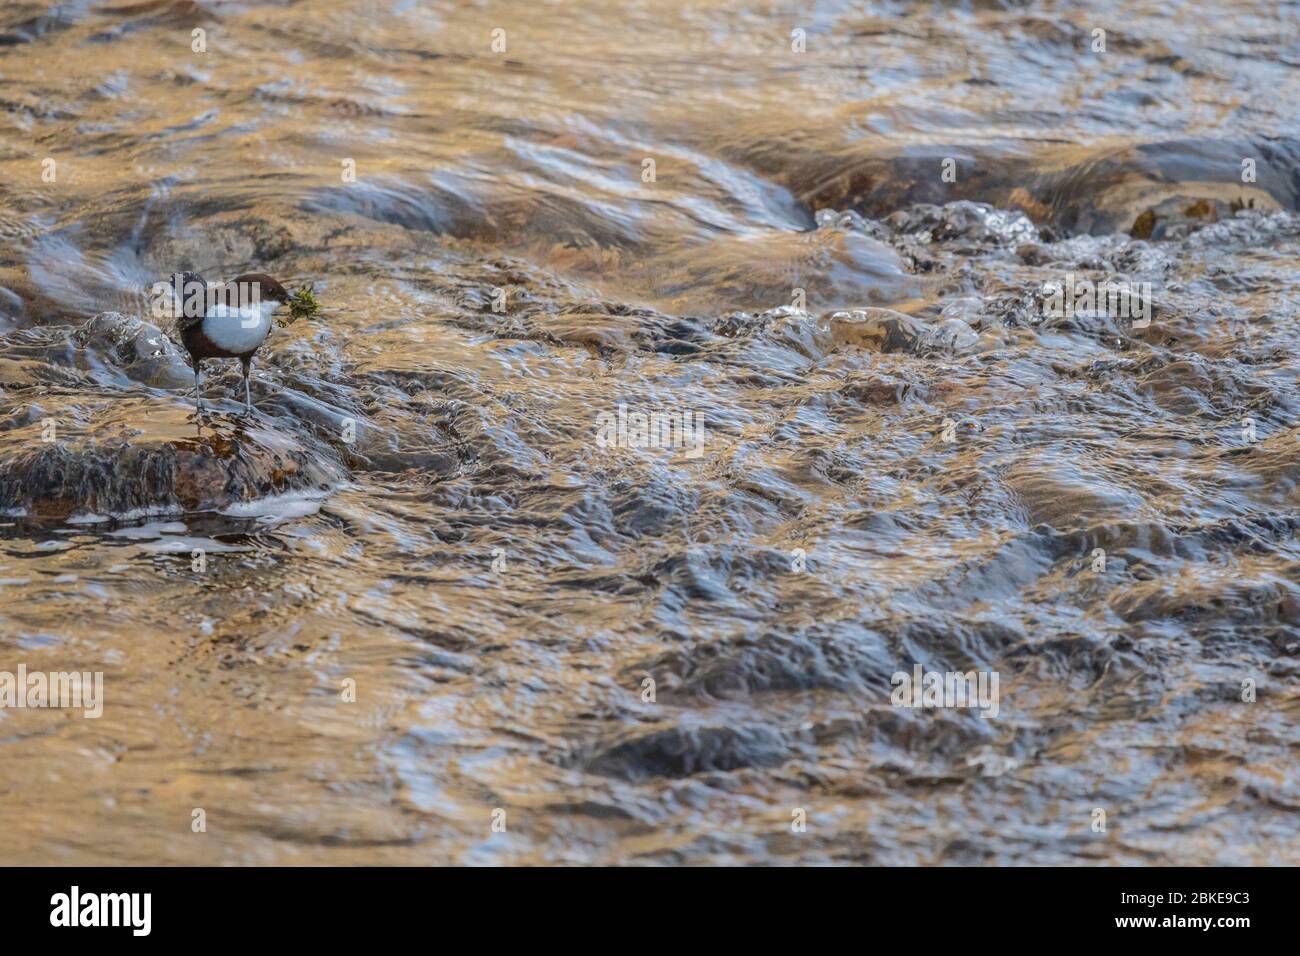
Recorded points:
(427, 587)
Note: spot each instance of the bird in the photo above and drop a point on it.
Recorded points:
(230, 320)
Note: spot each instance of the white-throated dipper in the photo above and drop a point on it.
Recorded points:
(226, 321)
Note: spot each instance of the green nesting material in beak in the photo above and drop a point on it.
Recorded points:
(302, 304)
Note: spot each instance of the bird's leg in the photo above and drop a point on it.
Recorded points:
(247, 362)
(198, 378)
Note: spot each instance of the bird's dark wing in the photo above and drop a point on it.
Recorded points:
(186, 322)
(185, 282)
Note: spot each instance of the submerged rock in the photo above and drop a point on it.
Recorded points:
(1180, 216)
(877, 330)
(685, 750)
(884, 330)
(843, 261)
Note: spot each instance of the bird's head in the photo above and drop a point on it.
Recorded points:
(302, 302)
(256, 287)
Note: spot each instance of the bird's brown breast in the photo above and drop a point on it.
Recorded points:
(199, 346)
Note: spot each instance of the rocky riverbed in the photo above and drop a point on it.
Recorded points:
(418, 586)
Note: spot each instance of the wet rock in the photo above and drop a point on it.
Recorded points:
(681, 751)
(1178, 217)
(227, 236)
(1032, 254)
(971, 221)
(877, 330)
(139, 349)
(851, 221)
(138, 457)
(1144, 225)
(870, 387)
(950, 335)
(1245, 229)
(1112, 191)
(884, 330)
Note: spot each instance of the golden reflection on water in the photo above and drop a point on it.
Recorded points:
(493, 588)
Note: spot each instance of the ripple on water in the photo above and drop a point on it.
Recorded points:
(909, 461)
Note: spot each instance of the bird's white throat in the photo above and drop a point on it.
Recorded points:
(239, 330)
